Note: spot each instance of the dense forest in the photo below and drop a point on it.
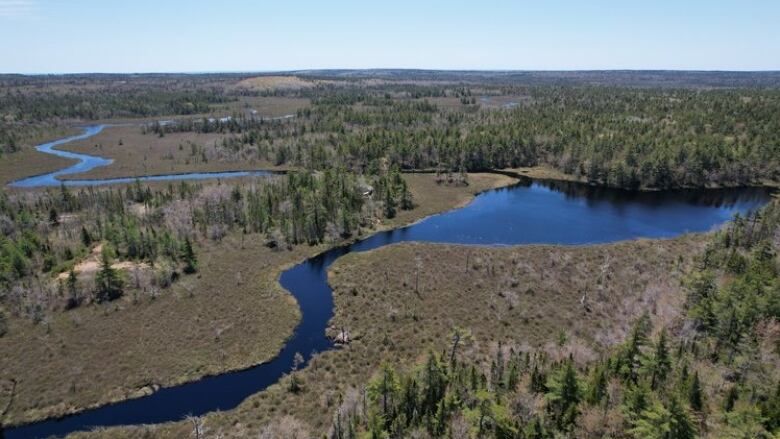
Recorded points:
(714, 374)
(671, 132)
(620, 137)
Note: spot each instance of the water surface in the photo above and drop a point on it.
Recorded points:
(529, 212)
(88, 162)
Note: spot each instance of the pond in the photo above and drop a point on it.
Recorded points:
(529, 212)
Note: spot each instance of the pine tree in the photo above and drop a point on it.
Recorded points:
(655, 422)
(683, 426)
(630, 355)
(695, 394)
(86, 239)
(538, 380)
(54, 218)
(597, 387)
(74, 298)
(384, 390)
(770, 410)
(660, 422)
(389, 203)
(109, 284)
(564, 395)
(732, 395)
(658, 364)
(406, 197)
(3, 331)
(535, 429)
(514, 377)
(190, 260)
(636, 401)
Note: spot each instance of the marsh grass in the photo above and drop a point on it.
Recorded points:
(526, 298)
(230, 315)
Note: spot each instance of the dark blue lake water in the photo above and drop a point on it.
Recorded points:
(529, 212)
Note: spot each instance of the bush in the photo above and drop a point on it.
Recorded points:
(3, 323)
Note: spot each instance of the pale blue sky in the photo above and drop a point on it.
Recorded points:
(42, 36)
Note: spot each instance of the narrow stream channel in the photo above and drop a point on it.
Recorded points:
(88, 162)
(528, 212)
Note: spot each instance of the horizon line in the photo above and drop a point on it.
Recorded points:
(378, 69)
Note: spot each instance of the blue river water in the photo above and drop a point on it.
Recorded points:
(87, 162)
(528, 212)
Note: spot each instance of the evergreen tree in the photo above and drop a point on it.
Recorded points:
(538, 381)
(655, 422)
(695, 394)
(74, 298)
(86, 238)
(597, 386)
(659, 422)
(108, 283)
(770, 410)
(188, 255)
(658, 364)
(389, 203)
(564, 395)
(406, 197)
(54, 218)
(682, 426)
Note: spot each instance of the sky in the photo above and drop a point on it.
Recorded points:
(75, 36)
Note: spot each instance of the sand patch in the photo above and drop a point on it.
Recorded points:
(90, 265)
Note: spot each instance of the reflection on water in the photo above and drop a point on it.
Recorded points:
(529, 212)
(724, 197)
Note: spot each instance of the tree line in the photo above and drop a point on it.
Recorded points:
(620, 137)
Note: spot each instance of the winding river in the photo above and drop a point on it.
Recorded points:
(528, 212)
(87, 162)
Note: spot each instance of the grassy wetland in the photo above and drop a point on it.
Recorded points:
(110, 293)
(230, 315)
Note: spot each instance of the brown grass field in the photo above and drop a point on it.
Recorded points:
(526, 297)
(230, 315)
(135, 153)
(28, 162)
(269, 83)
(210, 322)
(141, 154)
(544, 172)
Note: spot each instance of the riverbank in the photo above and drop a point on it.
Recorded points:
(527, 297)
(232, 315)
(135, 154)
(544, 172)
(523, 214)
(27, 161)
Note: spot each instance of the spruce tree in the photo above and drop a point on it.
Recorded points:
(389, 203)
(107, 281)
(564, 395)
(74, 298)
(695, 394)
(188, 255)
(683, 426)
(657, 365)
(86, 239)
